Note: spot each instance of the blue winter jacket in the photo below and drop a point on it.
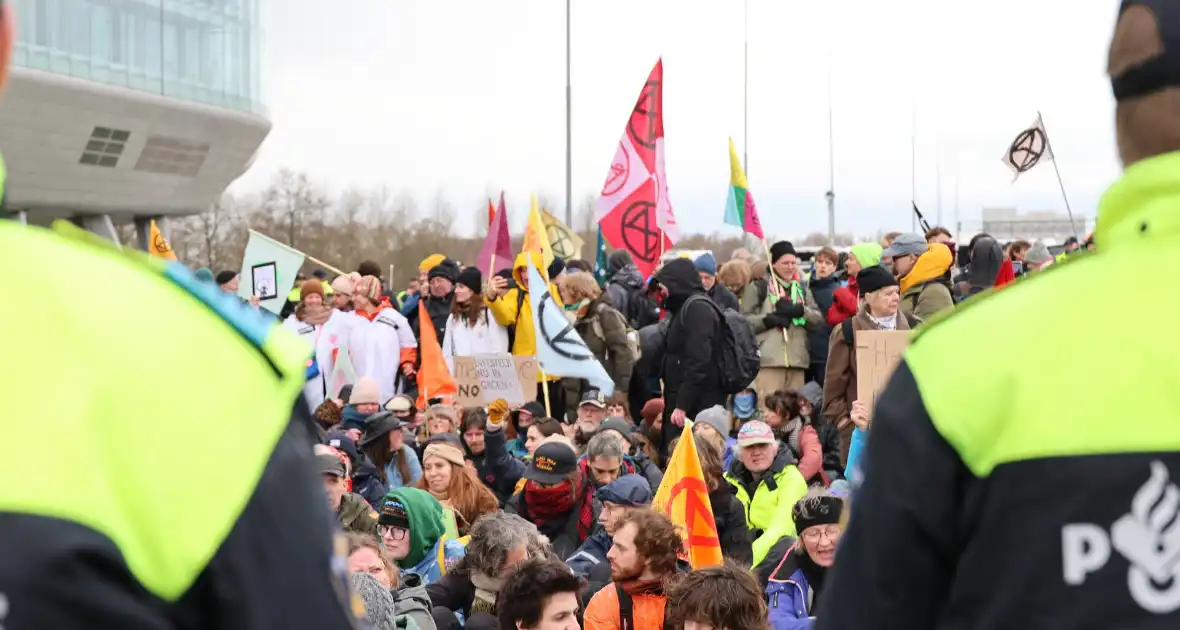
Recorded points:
(395, 477)
(860, 440)
(788, 602)
(429, 570)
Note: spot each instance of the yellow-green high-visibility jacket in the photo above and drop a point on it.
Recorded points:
(152, 471)
(1023, 470)
(768, 501)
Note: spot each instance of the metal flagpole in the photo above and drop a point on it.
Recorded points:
(831, 163)
(746, 91)
(913, 166)
(1049, 147)
(569, 168)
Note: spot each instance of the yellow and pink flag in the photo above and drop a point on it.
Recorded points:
(740, 210)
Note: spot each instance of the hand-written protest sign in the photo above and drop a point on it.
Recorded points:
(487, 377)
(877, 354)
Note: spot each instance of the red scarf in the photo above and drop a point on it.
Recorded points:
(546, 505)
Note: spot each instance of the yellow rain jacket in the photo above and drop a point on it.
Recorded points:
(515, 308)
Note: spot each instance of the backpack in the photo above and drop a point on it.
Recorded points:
(627, 611)
(640, 309)
(632, 336)
(738, 357)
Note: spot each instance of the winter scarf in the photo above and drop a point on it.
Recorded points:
(643, 587)
(312, 315)
(796, 294)
(486, 589)
(791, 430)
(889, 322)
(547, 505)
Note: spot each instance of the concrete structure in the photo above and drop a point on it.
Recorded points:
(1007, 224)
(128, 110)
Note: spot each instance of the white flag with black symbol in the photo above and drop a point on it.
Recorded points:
(560, 349)
(1029, 148)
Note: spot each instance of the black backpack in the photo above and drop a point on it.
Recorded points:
(640, 309)
(738, 357)
(627, 611)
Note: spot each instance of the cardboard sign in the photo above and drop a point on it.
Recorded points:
(877, 354)
(487, 377)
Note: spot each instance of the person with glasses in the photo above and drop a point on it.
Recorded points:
(793, 579)
(410, 523)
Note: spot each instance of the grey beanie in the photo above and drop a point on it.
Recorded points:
(813, 392)
(716, 417)
(379, 607)
(1038, 254)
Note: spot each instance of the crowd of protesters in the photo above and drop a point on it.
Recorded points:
(538, 516)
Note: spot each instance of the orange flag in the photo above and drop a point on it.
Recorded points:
(434, 379)
(684, 497)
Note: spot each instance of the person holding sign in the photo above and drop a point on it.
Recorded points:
(470, 328)
(880, 298)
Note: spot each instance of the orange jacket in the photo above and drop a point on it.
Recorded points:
(602, 613)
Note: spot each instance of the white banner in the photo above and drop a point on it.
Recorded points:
(268, 271)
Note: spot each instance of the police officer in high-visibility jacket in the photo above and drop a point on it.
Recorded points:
(1023, 470)
(163, 480)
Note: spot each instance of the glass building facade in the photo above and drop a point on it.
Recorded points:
(197, 50)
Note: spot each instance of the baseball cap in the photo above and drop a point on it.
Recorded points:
(393, 512)
(906, 244)
(593, 397)
(754, 433)
(378, 425)
(399, 404)
(340, 441)
(330, 465)
(552, 463)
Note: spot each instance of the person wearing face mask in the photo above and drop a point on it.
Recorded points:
(767, 482)
(880, 311)
(410, 522)
(794, 580)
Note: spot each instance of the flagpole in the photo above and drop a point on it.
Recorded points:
(1049, 147)
(569, 169)
(746, 90)
(913, 166)
(831, 162)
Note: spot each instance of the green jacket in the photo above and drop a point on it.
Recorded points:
(770, 340)
(924, 301)
(356, 515)
(1058, 485)
(146, 517)
(768, 511)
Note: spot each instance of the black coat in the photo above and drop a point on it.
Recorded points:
(438, 309)
(730, 516)
(498, 470)
(692, 381)
(824, 291)
(724, 297)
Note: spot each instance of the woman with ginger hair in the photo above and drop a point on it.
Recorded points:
(446, 476)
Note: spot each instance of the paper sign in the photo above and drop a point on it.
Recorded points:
(487, 377)
(877, 354)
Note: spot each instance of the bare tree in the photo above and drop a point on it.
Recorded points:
(442, 211)
(293, 202)
(815, 239)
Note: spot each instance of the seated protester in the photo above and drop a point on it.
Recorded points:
(554, 496)
(380, 611)
(499, 542)
(715, 425)
(728, 511)
(640, 462)
(810, 404)
(365, 555)
(783, 414)
(521, 419)
(365, 480)
(767, 483)
(880, 311)
(438, 419)
(795, 571)
(601, 463)
(408, 607)
(540, 594)
(484, 440)
(643, 560)
(384, 443)
(363, 401)
(591, 413)
(860, 438)
(446, 476)
(350, 509)
(744, 406)
(411, 525)
(402, 407)
(589, 561)
(327, 415)
(718, 598)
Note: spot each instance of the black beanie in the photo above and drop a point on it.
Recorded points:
(822, 510)
(780, 249)
(471, 278)
(556, 267)
(448, 269)
(874, 278)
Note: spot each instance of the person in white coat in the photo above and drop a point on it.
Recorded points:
(381, 344)
(471, 329)
(308, 322)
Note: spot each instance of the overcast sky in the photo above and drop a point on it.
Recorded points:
(468, 96)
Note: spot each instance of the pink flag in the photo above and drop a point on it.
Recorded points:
(634, 210)
(497, 244)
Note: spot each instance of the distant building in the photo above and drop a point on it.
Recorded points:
(1008, 224)
(130, 110)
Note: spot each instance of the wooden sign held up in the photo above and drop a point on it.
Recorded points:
(877, 354)
(483, 378)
